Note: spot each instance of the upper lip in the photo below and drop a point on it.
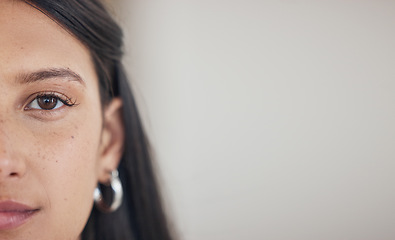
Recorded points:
(13, 206)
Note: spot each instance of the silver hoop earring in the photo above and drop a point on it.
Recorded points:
(116, 187)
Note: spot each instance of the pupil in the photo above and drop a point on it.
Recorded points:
(47, 103)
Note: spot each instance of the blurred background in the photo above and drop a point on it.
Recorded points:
(269, 119)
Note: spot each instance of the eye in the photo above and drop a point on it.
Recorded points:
(45, 103)
(49, 101)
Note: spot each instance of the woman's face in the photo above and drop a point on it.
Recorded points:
(55, 142)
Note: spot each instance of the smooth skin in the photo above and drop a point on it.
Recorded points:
(51, 159)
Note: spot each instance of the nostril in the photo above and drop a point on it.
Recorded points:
(13, 174)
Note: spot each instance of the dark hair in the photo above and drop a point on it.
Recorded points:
(141, 215)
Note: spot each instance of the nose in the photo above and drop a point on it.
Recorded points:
(11, 165)
(10, 168)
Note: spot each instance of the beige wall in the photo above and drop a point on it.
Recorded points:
(270, 119)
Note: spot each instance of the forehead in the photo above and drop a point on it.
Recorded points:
(30, 40)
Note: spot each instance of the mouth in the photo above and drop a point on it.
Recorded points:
(13, 214)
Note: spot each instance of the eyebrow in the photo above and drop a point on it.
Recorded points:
(49, 73)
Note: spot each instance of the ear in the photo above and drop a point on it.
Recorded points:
(112, 140)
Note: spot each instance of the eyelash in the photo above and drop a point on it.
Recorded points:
(67, 101)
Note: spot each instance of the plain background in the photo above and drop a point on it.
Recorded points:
(270, 119)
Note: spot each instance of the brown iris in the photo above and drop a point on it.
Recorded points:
(47, 102)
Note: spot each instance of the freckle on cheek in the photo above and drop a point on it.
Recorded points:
(72, 137)
(55, 134)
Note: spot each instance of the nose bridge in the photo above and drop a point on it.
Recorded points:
(4, 136)
(10, 163)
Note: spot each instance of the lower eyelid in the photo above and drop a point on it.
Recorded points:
(43, 115)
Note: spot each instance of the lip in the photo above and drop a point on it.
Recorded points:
(14, 214)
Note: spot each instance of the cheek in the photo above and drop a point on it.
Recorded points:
(64, 165)
(71, 156)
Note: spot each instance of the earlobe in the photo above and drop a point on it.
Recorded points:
(112, 141)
